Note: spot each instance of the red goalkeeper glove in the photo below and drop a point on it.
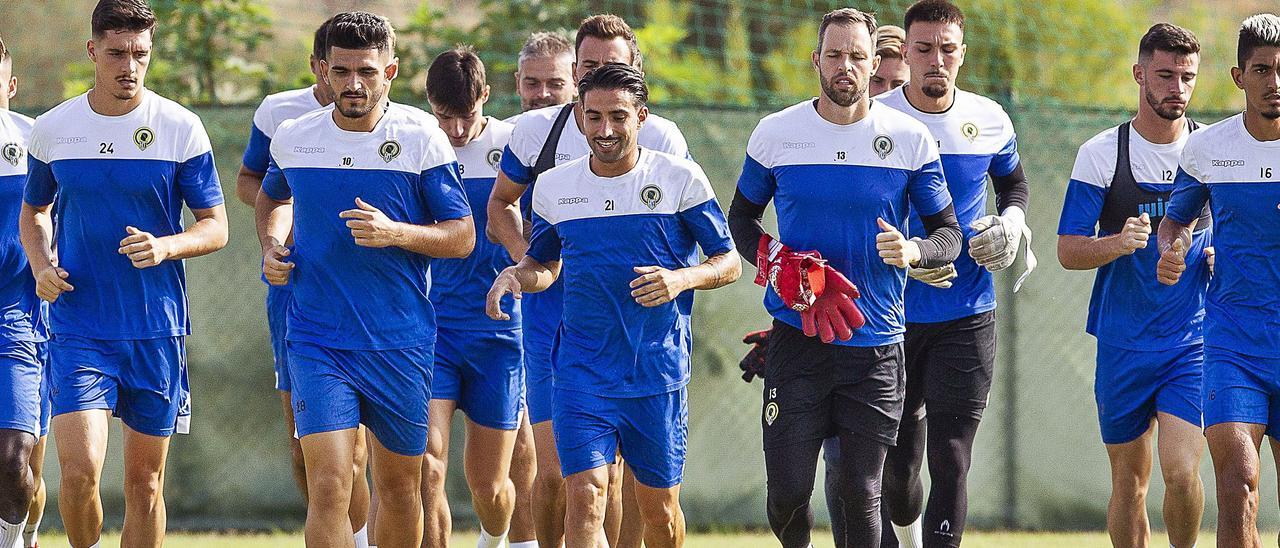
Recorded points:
(796, 276)
(752, 365)
(833, 314)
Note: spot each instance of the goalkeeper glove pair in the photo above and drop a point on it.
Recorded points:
(807, 284)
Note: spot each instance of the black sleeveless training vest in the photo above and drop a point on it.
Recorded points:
(1126, 199)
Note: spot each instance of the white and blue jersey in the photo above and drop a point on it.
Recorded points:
(347, 296)
(657, 214)
(1239, 177)
(830, 182)
(459, 286)
(1129, 309)
(105, 173)
(975, 139)
(275, 109)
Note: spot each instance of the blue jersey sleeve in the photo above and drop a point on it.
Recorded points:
(927, 189)
(544, 245)
(257, 155)
(197, 179)
(709, 228)
(1006, 160)
(514, 170)
(756, 182)
(274, 183)
(41, 186)
(443, 193)
(1188, 198)
(1081, 208)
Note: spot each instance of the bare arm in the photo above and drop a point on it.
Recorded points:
(506, 224)
(450, 239)
(274, 220)
(528, 275)
(248, 183)
(657, 286)
(206, 235)
(1087, 252)
(1174, 239)
(35, 229)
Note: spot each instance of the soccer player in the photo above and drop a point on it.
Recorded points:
(275, 110)
(372, 194)
(849, 383)
(893, 70)
(23, 420)
(544, 71)
(478, 367)
(626, 222)
(542, 139)
(950, 340)
(1234, 167)
(1150, 354)
(112, 168)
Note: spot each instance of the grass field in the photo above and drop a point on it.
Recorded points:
(976, 539)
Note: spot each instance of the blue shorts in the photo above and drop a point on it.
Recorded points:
(20, 387)
(278, 300)
(46, 399)
(653, 433)
(142, 381)
(539, 387)
(1241, 388)
(1130, 386)
(482, 372)
(386, 390)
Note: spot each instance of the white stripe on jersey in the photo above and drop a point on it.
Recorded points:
(479, 159)
(533, 127)
(885, 138)
(1225, 152)
(286, 105)
(1151, 163)
(974, 125)
(659, 184)
(15, 133)
(158, 129)
(405, 139)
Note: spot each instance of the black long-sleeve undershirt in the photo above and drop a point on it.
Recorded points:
(1012, 190)
(941, 247)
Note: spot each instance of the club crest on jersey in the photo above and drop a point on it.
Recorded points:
(144, 137)
(883, 146)
(11, 153)
(970, 131)
(651, 196)
(493, 157)
(389, 150)
(770, 413)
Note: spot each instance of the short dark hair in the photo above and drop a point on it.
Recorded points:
(1166, 37)
(320, 43)
(1257, 31)
(933, 11)
(361, 30)
(615, 76)
(546, 44)
(122, 16)
(455, 80)
(847, 16)
(607, 26)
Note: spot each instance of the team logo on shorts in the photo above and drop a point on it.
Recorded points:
(493, 157)
(389, 150)
(969, 130)
(651, 196)
(11, 153)
(883, 146)
(144, 138)
(770, 413)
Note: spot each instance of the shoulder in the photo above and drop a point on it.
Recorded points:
(894, 98)
(537, 122)
(896, 124)
(1102, 145)
(660, 126)
(499, 131)
(556, 180)
(22, 123)
(787, 118)
(66, 111)
(1222, 133)
(302, 124)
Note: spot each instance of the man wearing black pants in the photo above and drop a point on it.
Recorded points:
(850, 383)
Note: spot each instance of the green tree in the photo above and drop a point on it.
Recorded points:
(202, 48)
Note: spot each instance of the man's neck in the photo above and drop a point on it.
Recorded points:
(1260, 127)
(363, 124)
(841, 115)
(106, 104)
(926, 104)
(1157, 129)
(614, 169)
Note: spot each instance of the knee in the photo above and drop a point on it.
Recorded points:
(586, 495)
(659, 513)
(1238, 480)
(329, 490)
(434, 470)
(1182, 481)
(143, 486)
(548, 483)
(80, 478)
(491, 491)
(16, 488)
(785, 501)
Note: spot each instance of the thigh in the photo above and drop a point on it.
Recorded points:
(797, 388)
(20, 387)
(868, 393)
(394, 388)
(81, 437)
(493, 379)
(84, 374)
(585, 429)
(154, 395)
(488, 452)
(328, 456)
(654, 434)
(961, 361)
(1125, 386)
(144, 454)
(1180, 444)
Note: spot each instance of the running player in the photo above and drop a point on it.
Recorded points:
(542, 139)
(1150, 353)
(372, 193)
(113, 168)
(478, 367)
(23, 420)
(273, 111)
(627, 222)
(1234, 167)
(853, 387)
(950, 340)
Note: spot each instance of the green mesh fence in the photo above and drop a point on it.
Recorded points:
(1061, 69)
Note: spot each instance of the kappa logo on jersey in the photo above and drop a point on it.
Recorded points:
(493, 157)
(389, 150)
(11, 153)
(770, 413)
(144, 137)
(883, 146)
(651, 196)
(970, 131)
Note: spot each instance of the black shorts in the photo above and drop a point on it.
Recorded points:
(949, 365)
(813, 391)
